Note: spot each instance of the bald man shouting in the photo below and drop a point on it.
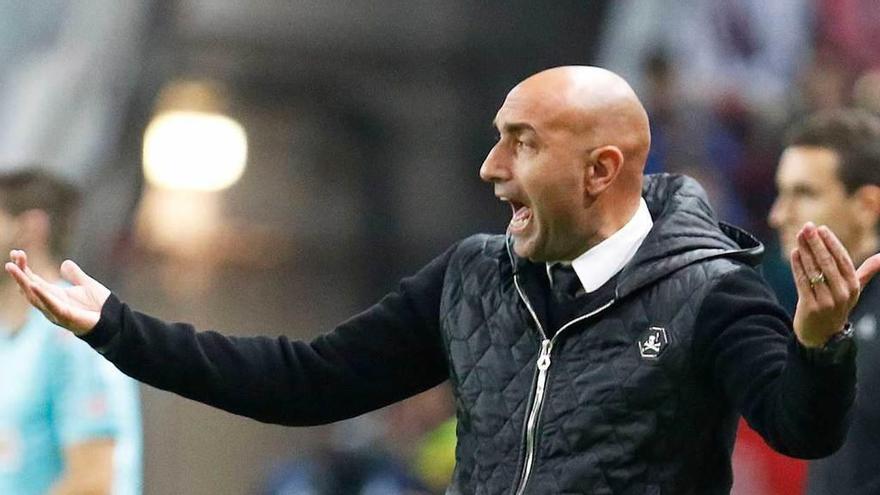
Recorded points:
(606, 344)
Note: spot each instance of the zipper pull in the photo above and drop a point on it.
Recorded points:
(544, 357)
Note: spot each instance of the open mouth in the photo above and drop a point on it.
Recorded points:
(522, 214)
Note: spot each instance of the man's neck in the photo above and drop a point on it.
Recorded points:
(602, 261)
(616, 217)
(14, 307)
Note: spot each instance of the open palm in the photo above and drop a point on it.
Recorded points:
(76, 307)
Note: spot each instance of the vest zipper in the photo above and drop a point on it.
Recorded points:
(542, 370)
(532, 422)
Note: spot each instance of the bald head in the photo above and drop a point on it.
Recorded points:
(595, 104)
(571, 150)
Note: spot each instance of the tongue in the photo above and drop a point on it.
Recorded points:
(520, 217)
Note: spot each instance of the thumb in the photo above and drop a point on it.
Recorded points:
(74, 274)
(868, 269)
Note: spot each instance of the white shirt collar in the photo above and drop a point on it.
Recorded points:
(604, 260)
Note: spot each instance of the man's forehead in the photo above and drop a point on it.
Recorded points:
(528, 109)
(812, 165)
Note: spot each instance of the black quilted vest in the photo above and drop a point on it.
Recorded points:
(604, 413)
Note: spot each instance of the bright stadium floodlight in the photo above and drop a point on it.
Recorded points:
(192, 150)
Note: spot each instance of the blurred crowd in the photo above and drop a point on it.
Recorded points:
(722, 81)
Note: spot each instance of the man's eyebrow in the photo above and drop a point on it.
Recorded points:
(513, 127)
(803, 188)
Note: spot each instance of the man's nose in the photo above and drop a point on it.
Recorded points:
(495, 167)
(776, 217)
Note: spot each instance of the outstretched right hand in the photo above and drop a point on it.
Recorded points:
(76, 307)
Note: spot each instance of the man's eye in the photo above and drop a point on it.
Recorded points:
(804, 193)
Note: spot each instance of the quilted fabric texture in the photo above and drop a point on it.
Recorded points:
(612, 421)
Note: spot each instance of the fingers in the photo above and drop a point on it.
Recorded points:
(830, 255)
(17, 275)
(74, 274)
(26, 284)
(823, 257)
(78, 278)
(75, 308)
(801, 280)
(29, 282)
(51, 306)
(19, 257)
(841, 257)
(868, 269)
(807, 248)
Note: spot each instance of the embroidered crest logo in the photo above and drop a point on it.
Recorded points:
(652, 343)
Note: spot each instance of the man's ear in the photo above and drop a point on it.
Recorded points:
(35, 228)
(605, 163)
(867, 206)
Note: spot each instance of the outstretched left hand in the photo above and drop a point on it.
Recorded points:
(828, 285)
(76, 307)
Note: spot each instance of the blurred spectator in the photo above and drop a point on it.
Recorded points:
(76, 78)
(405, 449)
(824, 84)
(850, 30)
(846, 50)
(69, 421)
(866, 91)
(355, 473)
(830, 174)
(683, 135)
(717, 78)
(721, 80)
(67, 71)
(435, 459)
(737, 51)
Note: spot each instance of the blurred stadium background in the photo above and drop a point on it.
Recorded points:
(271, 167)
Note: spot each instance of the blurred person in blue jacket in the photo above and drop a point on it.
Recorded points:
(829, 174)
(69, 421)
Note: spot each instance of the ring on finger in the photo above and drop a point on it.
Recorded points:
(818, 279)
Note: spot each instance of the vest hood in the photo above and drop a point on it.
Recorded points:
(685, 231)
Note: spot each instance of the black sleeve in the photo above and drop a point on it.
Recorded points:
(748, 346)
(391, 351)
